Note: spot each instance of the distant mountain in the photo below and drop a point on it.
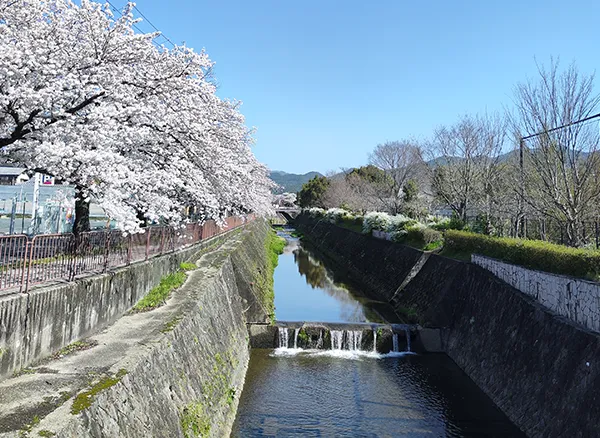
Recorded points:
(290, 182)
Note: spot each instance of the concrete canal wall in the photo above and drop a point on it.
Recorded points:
(175, 371)
(37, 324)
(539, 367)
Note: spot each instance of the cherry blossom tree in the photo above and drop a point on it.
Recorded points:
(137, 127)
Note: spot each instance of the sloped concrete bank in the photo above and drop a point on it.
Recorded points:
(542, 370)
(176, 371)
(37, 324)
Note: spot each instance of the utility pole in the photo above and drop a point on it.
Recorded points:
(36, 200)
(519, 225)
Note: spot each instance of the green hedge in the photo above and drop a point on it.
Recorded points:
(534, 254)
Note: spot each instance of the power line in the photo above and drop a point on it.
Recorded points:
(148, 21)
(576, 122)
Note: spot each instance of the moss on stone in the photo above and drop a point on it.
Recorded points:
(23, 371)
(46, 433)
(194, 421)
(171, 324)
(84, 399)
(408, 314)
(231, 396)
(73, 347)
(303, 336)
(187, 266)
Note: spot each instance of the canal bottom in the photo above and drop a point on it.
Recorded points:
(324, 396)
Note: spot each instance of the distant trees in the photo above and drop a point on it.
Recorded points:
(465, 163)
(285, 199)
(312, 192)
(561, 175)
(534, 172)
(358, 189)
(402, 162)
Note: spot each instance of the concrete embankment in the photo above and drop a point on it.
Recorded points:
(176, 371)
(39, 323)
(541, 369)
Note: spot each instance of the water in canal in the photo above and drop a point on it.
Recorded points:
(345, 393)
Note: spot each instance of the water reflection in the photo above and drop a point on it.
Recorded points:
(305, 290)
(313, 270)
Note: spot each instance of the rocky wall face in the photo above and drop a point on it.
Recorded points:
(425, 294)
(250, 269)
(539, 368)
(189, 384)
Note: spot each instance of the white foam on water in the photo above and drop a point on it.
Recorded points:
(398, 354)
(284, 351)
(338, 354)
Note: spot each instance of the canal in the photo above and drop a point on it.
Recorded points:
(346, 392)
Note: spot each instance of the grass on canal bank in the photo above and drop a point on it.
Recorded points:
(274, 247)
(159, 294)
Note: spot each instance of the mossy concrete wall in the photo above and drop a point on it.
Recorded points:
(541, 369)
(176, 371)
(39, 323)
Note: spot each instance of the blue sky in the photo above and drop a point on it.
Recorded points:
(325, 81)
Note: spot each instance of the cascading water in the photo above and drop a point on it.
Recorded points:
(283, 337)
(354, 340)
(344, 343)
(374, 341)
(296, 331)
(337, 337)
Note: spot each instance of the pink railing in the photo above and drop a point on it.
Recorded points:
(52, 257)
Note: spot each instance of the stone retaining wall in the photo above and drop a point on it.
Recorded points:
(574, 298)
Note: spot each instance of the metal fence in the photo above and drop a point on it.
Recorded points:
(51, 257)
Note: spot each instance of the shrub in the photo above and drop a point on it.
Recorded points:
(399, 236)
(315, 212)
(351, 221)
(399, 222)
(420, 235)
(532, 254)
(375, 221)
(336, 215)
(438, 223)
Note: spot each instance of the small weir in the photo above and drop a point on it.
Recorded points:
(376, 340)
